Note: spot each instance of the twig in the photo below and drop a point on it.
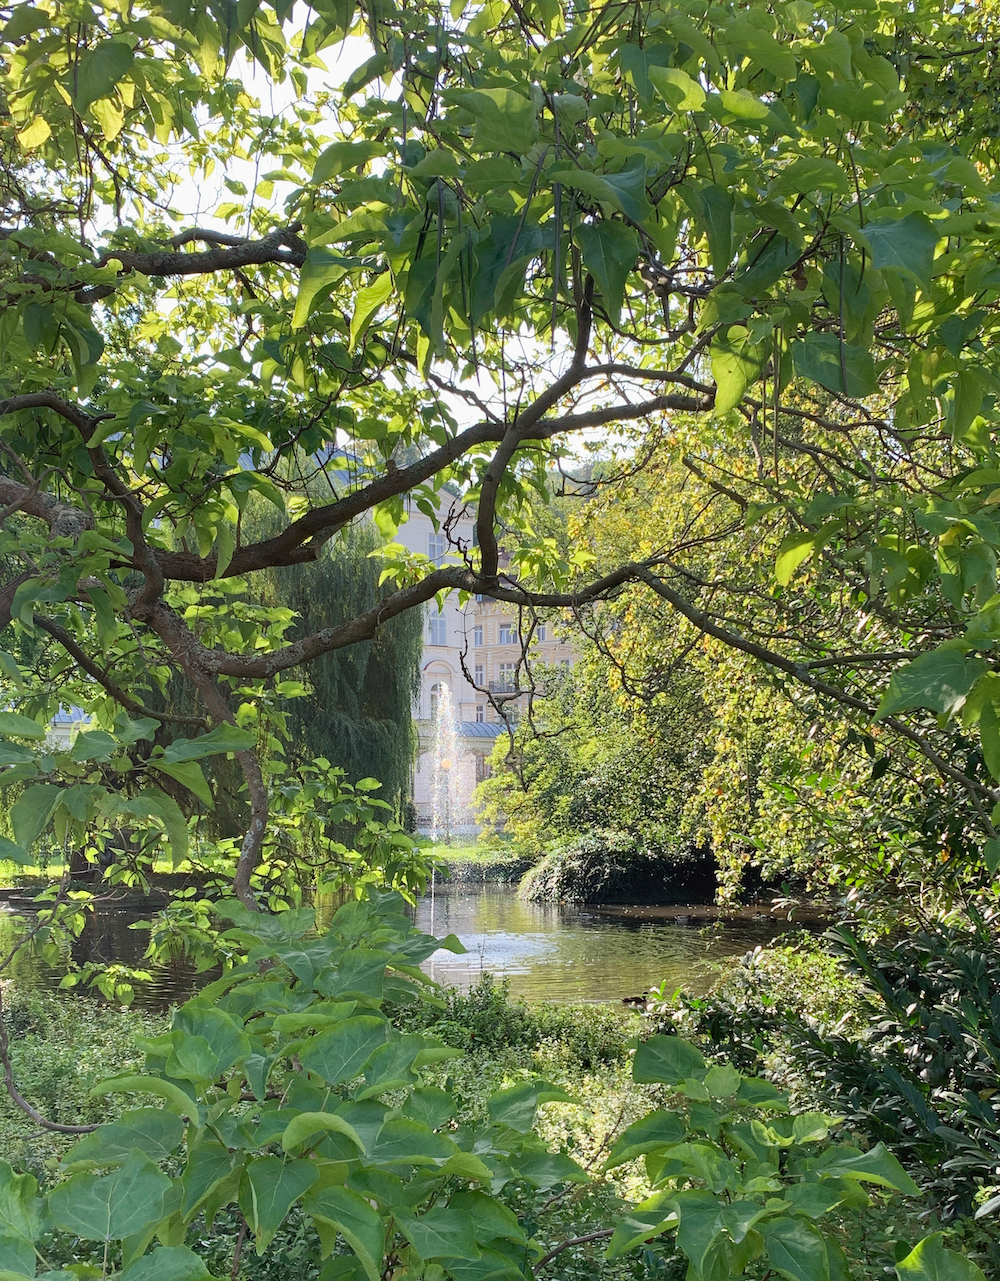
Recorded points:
(565, 1245)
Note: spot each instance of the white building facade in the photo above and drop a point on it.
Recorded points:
(471, 657)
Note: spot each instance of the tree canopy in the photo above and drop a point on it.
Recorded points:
(759, 239)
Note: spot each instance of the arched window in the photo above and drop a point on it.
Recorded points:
(437, 689)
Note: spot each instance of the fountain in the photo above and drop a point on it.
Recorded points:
(445, 770)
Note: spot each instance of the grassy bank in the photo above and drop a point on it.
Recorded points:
(480, 864)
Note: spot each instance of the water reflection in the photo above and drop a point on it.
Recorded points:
(566, 953)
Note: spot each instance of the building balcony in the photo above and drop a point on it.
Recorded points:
(508, 687)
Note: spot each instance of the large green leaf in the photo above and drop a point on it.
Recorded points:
(107, 1208)
(657, 1130)
(208, 1165)
(877, 1166)
(796, 1249)
(610, 250)
(939, 680)
(314, 1125)
(152, 1131)
(14, 725)
(644, 1221)
(713, 207)
(20, 1211)
(98, 70)
(516, 1107)
(440, 1232)
(737, 361)
(359, 1223)
(169, 1263)
(700, 1215)
(343, 1052)
(666, 1060)
(505, 119)
(320, 272)
(931, 1260)
(200, 1020)
(224, 738)
(269, 1189)
(623, 192)
(905, 244)
(837, 366)
(30, 814)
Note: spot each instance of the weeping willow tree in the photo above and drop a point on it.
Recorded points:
(358, 709)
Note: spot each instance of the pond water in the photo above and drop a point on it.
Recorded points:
(557, 952)
(548, 952)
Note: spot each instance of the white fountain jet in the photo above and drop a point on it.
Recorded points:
(445, 770)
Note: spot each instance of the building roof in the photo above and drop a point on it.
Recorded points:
(480, 729)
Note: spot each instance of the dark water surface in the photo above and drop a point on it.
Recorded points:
(548, 952)
(558, 952)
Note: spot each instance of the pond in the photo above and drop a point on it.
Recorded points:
(558, 952)
(548, 952)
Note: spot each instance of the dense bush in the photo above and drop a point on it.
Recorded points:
(616, 867)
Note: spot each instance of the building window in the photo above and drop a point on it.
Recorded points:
(479, 598)
(439, 630)
(436, 546)
(540, 632)
(565, 664)
(506, 633)
(437, 689)
(482, 769)
(480, 713)
(479, 674)
(477, 635)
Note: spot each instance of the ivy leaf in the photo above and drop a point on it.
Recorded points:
(837, 366)
(98, 71)
(114, 1206)
(610, 250)
(905, 244)
(939, 680)
(269, 1189)
(932, 1261)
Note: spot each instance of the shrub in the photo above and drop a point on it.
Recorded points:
(610, 866)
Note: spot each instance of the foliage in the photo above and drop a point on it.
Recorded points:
(610, 866)
(763, 236)
(737, 1179)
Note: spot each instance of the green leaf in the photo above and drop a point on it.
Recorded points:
(342, 1053)
(440, 1233)
(904, 244)
(93, 745)
(208, 1165)
(308, 1125)
(224, 738)
(153, 1131)
(623, 192)
(932, 1261)
(666, 1060)
(11, 853)
(98, 71)
(837, 366)
(737, 361)
(14, 725)
(190, 775)
(358, 1222)
(20, 1210)
(610, 250)
(939, 680)
(677, 88)
(657, 1130)
(491, 1217)
(700, 1215)
(30, 814)
(505, 119)
(795, 550)
(320, 272)
(713, 207)
(269, 1189)
(131, 1084)
(877, 1166)
(367, 302)
(991, 854)
(169, 1263)
(107, 1208)
(796, 1249)
(516, 1107)
(216, 1034)
(341, 156)
(722, 1081)
(646, 1220)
